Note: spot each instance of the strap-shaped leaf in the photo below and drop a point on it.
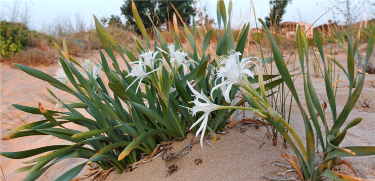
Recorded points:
(241, 42)
(93, 132)
(32, 152)
(358, 150)
(354, 97)
(206, 41)
(41, 75)
(22, 134)
(32, 110)
(336, 141)
(27, 126)
(339, 176)
(140, 139)
(140, 25)
(154, 115)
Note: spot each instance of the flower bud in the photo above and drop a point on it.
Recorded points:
(274, 115)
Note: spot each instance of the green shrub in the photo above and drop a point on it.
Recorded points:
(13, 37)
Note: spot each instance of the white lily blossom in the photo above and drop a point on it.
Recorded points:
(149, 58)
(139, 71)
(178, 59)
(87, 65)
(61, 76)
(232, 73)
(207, 107)
(93, 70)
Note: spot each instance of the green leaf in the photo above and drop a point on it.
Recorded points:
(129, 54)
(338, 176)
(336, 141)
(40, 75)
(27, 126)
(22, 134)
(140, 25)
(23, 169)
(223, 12)
(241, 42)
(358, 150)
(189, 36)
(201, 72)
(106, 110)
(93, 132)
(49, 117)
(111, 147)
(32, 110)
(154, 115)
(71, 173)
(32, 152)
(327, 81)
(206, 41)
(140, 139)
(53, 154)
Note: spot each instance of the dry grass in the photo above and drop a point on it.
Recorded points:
(33, 56)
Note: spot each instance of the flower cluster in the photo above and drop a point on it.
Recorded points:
(232, 72)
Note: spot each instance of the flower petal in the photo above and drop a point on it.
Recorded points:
(227, 91)
(196, 122)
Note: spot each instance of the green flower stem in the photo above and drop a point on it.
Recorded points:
(237, 107)
(251, 93)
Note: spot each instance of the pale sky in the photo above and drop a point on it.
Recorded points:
(45, 12)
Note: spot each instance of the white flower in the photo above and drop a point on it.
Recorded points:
(61, 76)
(59, 105)
(87, 65)
(207, 107)
(93, 70)
(139, 71)
(231, 73)
(178, 59)
(149, 58)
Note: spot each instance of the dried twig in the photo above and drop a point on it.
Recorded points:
(103, 174)
(365, 103)
(282, 165)
(261, 145)
(349, 165)
(88, 175)
(280, 178)
(283, 173)
(2, 177)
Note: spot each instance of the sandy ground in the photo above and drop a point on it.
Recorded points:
(245, 153)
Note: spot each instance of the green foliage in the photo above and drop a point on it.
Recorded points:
(113, 20)
(277, 12)
(159, 11)
(122, 125)
(333, 136)
(13, 37)
(184, 8)
(142, 7)
(126, 120)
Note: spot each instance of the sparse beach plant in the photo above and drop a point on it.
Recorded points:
(164, 89)
(330, 137)
(122, 125)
